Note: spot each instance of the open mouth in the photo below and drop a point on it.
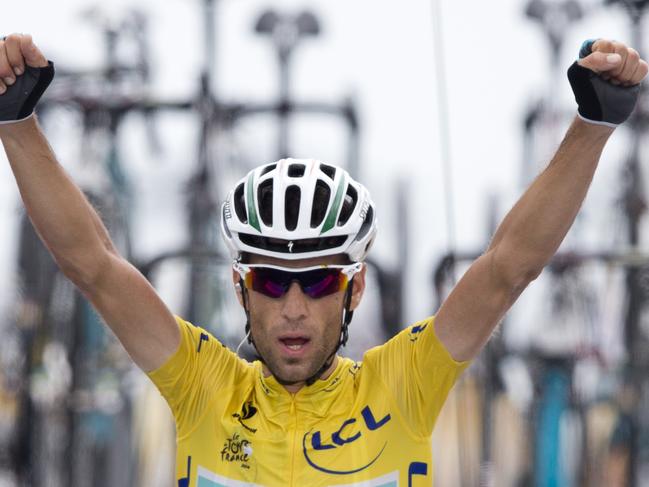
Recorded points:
(294, 343)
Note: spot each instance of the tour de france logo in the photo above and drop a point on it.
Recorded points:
(237, 449)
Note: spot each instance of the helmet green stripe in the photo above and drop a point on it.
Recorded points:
(250, 197)
(333, 212)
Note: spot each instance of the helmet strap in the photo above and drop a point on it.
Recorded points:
(348, 314)
(244, 298)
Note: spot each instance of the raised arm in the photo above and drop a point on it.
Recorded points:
(73, 232)
(534, 228)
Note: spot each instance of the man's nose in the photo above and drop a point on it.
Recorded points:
(294, 305)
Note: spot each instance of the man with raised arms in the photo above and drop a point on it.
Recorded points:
(298, 232)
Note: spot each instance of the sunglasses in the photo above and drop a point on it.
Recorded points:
(316, 282)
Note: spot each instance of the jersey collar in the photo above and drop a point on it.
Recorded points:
(313, 397)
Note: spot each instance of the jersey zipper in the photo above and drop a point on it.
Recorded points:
(293, 413)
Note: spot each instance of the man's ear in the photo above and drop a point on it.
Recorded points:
(358, 287)
(236, 280)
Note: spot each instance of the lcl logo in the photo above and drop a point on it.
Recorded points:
(344, 435)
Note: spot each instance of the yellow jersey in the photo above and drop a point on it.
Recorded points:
(368, 424)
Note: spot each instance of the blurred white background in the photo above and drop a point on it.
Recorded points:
(383, 53)
(497, 64)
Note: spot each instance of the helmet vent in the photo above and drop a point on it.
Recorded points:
(292, 207)
(240, 204)
(321, 197)
(369, 244)
(296, 170)
(349, 203)
(328, 170)
(267, 169)
(265, 201)
(367, 224)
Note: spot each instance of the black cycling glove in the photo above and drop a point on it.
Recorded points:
(599, 101)
(18, 102)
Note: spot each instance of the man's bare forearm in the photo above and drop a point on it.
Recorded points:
(523, 244)
(61, 214)
(534, 228)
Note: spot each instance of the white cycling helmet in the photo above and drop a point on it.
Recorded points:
(296, 209)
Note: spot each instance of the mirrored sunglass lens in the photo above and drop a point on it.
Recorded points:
(324, 282)
(273, 289)
(315, 284)
(270, 282)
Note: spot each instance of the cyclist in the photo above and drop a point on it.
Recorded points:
(298, 231)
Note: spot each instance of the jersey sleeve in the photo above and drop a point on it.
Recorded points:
(195, 374)
(419, 372)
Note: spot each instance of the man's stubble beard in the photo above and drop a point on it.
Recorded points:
(317, 361)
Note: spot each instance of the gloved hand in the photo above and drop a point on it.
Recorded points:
(606, 81)
(25, 74)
